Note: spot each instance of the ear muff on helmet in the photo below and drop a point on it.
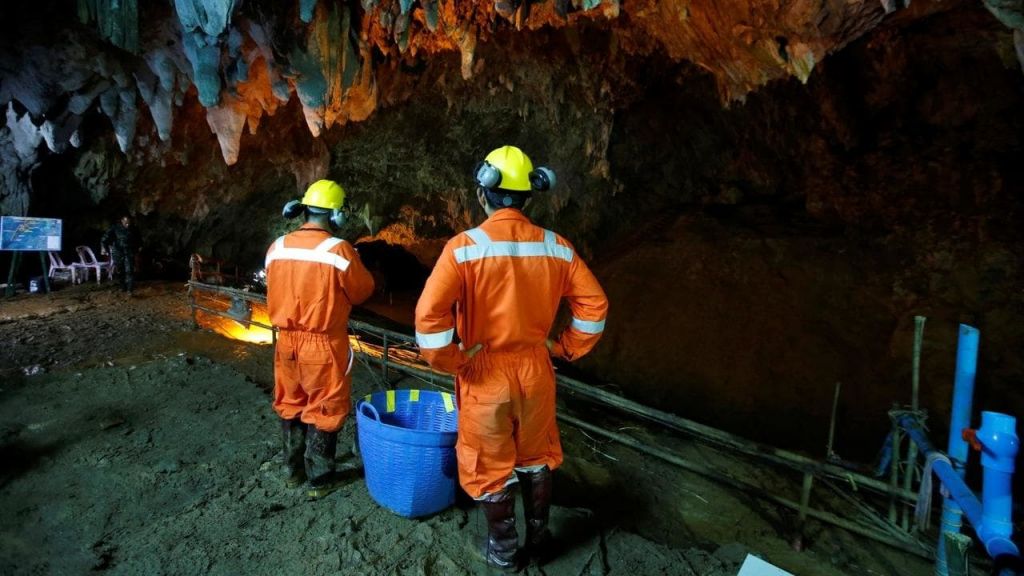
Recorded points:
(542, 179)
(293, 209)
(487, 175)
(337, 217)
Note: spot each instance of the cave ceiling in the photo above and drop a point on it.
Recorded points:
(142, 65)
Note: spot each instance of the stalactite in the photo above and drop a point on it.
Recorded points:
(116, 20)
(306, 8)
(61, 131)
(227, 120)
(203, 22)
(19, 142)
(159, 96)
(325, 69)
(119, 106)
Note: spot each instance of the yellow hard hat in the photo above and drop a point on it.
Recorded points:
(514, 166)
(326, 194)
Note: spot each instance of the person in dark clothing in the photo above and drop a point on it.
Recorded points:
(122, 241)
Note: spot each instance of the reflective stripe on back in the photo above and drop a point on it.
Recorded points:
(321, 254)
(485, 248)
(328, 244)
(479, 236)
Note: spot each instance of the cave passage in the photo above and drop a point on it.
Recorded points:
(796, 211)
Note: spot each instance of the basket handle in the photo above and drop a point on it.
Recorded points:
(373, 410)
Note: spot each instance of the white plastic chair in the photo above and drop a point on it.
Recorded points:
(87, 260)
(59, 268)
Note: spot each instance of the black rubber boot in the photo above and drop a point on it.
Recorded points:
(293, 435)
(536, 487)
(320, 451)
(501, 546)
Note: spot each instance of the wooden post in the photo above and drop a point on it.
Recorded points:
(894, 471)
(46, 272)
(9, 290)
(832, 423)
(192, 305)
(915, 385)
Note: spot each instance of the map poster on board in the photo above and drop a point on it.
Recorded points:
(29, 234)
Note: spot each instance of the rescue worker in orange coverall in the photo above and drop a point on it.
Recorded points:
(313, 281)
(506, 279)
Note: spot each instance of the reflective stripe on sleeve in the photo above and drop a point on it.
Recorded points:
(435, 339)
(588, 326)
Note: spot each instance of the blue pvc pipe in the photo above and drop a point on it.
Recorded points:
(994, 537)
(999, 447)
(963, 395)
(960, 418)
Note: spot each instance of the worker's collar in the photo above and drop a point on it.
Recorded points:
(312, 227)
(508, 214)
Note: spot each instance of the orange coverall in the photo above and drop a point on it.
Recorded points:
(506, 279)
(313, 280)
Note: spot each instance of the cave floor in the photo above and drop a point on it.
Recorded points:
(135, 445)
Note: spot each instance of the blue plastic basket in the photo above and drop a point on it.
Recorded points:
(407, 441)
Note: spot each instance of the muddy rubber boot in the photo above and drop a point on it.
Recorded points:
(320, 468)
(293, 436)
(536, 487)
(500, 547)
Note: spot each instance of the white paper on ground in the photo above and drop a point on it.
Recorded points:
(754, 566)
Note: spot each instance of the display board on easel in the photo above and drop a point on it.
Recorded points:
(29, 234)
(23, 234)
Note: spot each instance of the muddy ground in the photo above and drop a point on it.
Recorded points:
(134, 445)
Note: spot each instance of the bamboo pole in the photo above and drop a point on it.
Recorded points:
(915, 386)
(832, 423)
(886, 538)
(894, 471)
(750, 448)
(223, 315)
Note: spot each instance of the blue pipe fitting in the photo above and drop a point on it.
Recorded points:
(999, 442)
(999, 447)
(994, 533)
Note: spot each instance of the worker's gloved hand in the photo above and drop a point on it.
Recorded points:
(554, 348)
